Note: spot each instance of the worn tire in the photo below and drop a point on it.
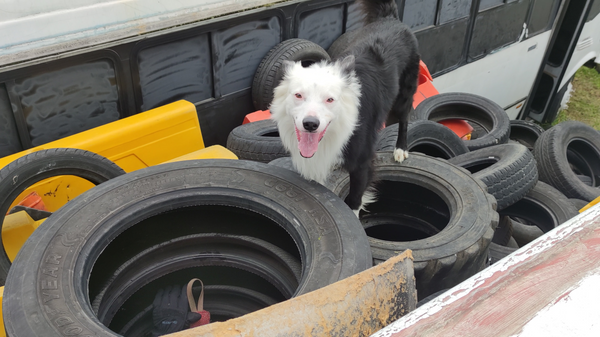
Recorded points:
(498, 252)
(544, 207)
(284, 162)
(552, 151)
(503, 232)
(472, 108)
(508, 170)
(524, 233)
(578, 203)
(431, 193)
(22, 173)
(63, 252)
(525, 132)
(427, 137)
(270, 70)
(257, 141)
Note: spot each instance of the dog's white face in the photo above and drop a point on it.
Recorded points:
(316, 99)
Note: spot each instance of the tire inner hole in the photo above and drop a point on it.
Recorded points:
(405, 212)
(250, 290)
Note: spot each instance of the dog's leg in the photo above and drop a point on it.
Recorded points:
(359, 181)
(403, 105)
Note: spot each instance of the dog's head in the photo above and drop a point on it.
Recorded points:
(322, 96)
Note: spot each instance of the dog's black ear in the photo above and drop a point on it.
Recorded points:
(347, 64)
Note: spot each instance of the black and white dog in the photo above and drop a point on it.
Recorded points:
(329, 113)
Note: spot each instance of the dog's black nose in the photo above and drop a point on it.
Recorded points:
(310, 123)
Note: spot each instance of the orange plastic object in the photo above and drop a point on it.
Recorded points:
(425, 88)
(257, 116)
(459, 126)
(33, 200)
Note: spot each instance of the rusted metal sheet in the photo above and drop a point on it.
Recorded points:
(542, 284)
(356, 306)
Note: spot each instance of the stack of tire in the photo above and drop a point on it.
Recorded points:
(509, 157)
(436, 203)
(417, 210)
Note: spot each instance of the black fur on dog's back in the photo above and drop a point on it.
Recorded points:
(387, 67)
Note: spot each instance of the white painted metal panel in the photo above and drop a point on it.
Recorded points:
(33, 28)
(505, 77)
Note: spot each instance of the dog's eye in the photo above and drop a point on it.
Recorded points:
(330, 100)
(298, 96)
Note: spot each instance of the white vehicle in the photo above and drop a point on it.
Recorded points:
(66, 67)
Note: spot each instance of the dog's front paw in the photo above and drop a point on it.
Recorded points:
(400, 155)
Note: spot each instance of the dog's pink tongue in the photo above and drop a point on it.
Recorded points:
(308, 142)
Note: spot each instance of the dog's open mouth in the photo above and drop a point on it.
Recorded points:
(308, 142)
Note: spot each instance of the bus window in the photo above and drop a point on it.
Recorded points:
(497, 27)
(354, 17)
(322, 26)
(485, 4)
(186, 62)
(238, 51)
(451, 10)
(9, 138)
(542, 16)
(62, 102)
(419, 14)
(594, 11)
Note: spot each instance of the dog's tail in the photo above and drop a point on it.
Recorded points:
(379, 9)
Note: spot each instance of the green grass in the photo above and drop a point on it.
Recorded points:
(584, 105)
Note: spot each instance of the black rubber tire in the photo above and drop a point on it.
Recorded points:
(578, 203)
(544, 207)
(218, 301)
(430, 297)
(508, 170)
(253, 255)
(472, 108)
(498, 252)
(22, 173)
(525, 132)
(257, 141)
(524, 233)
(330, 238)
(431, 192)
(284, 162)
(427, 137)
(270, 70)
(576, 139)
(503, 232)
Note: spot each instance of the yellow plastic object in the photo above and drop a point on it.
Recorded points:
(211, 152)
(16, 229)
(139, 141)
(592, 203)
